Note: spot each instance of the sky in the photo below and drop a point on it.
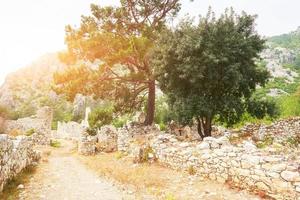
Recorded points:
(31, 28)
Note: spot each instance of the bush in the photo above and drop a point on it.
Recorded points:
(267, 141)
(30, 132)
(4, 112)
(191, 170)
(121, 121)
(55, 143)
(101, 116)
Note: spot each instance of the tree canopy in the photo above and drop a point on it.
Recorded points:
(210, 69)
(120, 40)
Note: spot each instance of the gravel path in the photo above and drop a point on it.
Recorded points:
(63, 177)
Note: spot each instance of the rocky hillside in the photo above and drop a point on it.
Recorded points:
(25, 87)
(282, 59)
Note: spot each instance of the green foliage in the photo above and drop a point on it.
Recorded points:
(122, 38)
(100, 116)
(247, 118)
(121, 121)
(55, 143)
(62, 110)
(30, 132)
(293, 141)
(162, 112)
(290, 40)
(289, 106)
(267, 141)
(4, 112)
(210, 69)
(262, 107)
(162, 126)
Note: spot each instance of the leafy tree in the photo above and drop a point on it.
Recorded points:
(210, 69)
(120, 40)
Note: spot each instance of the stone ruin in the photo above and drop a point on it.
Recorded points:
(243, 165)
(40, 124)
(15, 155)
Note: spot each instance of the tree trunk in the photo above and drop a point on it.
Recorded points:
(204, 126)
(151, 104)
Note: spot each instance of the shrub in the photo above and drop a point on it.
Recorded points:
(293, 141)
(55, 143)
(267, 141)
(121, 121)
(191, 170)
(30, 132)
(101, 116)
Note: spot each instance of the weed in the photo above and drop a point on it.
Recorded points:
(55, 143)
(10, 191)
(30, 132)
(267, 141)
(170, 197)
(191, 170)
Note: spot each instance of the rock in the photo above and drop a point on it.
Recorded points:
(248, 146)
(262, 186)
(107, 139)
(203, 145)
(278, 167)
(20, 187)
(86, 148)
(290, 176)
(224, 141)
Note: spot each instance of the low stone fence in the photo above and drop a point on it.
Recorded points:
(281, 129)
(71, 130)
(15, 155)
(245, 166)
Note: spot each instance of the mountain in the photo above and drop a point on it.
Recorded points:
(282, 59)
(25, 88)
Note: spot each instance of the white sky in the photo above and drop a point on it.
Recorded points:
(31, 28)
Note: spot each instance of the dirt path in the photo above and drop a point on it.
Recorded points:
(63, 177)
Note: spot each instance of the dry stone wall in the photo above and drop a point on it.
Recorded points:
(39, 124)
(71, 130)
(280, 130)
(15, 155)
(245, 166)
(217, 159)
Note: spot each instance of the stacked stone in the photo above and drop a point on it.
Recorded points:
(87, 145)
(245, 166)
(15, 155)
(107, 139)
(70, 130)
(280, 129)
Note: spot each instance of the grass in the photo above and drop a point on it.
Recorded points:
(30, 132)
(125, 172)
(152, 179)
(55, 143)
(10, 191)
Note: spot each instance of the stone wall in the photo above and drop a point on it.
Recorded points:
(217, 159)
(280, 130)
(41, 123)
(15, 155)
(245, 166)
(70, 130)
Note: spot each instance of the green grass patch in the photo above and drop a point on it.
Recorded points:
(55, 143)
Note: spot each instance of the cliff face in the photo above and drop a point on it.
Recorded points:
(31, 82)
